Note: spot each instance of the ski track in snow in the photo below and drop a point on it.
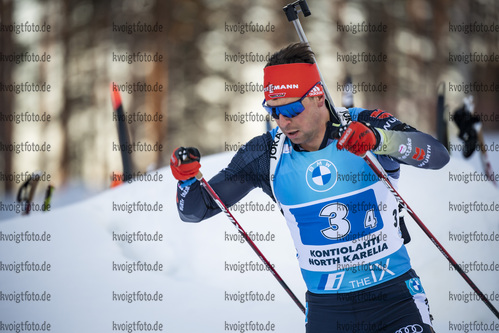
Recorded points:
(195, 278)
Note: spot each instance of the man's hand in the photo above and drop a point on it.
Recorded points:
(184, 163)
(358, 138)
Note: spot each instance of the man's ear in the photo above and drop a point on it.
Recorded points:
(321, 100)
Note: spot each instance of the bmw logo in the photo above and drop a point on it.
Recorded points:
(321, 175)
(414, 286)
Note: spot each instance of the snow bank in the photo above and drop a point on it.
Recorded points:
(200, 290)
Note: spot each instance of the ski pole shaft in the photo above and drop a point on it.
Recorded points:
(434, 240)
(27, 190)
(470, 106)
(246, 237)
(48, 198)
(291, 11)
(485, 159)
(123, 135)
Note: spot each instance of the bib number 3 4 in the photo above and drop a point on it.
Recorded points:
(339, 225)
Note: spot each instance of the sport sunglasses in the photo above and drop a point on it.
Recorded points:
(289, 110)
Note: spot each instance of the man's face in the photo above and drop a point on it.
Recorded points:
(306, 129)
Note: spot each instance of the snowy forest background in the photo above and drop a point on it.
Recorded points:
(197, 44)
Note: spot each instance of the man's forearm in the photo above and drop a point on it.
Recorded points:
(413, 147)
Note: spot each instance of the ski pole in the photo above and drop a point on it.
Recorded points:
(470, 106)
(48, 198)
(233, 220)
(123, 135)
(291, 11)
(27, 190)
(380, 173)
(442, 131)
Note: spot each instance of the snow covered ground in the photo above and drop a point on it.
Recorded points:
(197, 288)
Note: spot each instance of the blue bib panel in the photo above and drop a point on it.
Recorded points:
(343, 220)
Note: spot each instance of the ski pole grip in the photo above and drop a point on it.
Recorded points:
(343, 115)
(304, 8)
(199, 175)
(292, 13)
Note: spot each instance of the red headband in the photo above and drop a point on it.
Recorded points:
(291, 80)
